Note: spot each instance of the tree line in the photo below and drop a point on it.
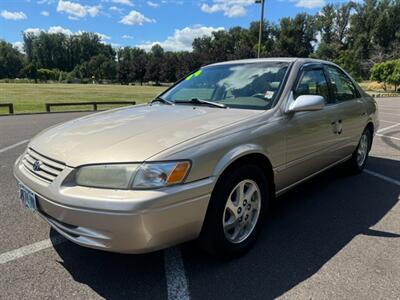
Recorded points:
(354, 35)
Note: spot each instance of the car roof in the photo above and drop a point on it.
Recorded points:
(271, 59)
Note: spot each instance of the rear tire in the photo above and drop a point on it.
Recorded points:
(359, 158)
(237, 208)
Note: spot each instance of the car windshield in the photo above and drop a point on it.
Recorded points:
(242, 85)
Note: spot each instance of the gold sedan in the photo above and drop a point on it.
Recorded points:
(201, 161)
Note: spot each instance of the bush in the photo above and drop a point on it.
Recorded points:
(46, 74)
(387, 72)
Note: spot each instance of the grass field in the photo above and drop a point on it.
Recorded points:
(28, 97)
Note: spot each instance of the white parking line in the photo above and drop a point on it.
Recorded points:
(13, 146)
(385, 113)
(388, 179)
(177, 285)
(389, 127)
(30, 249)
(388, 121)
(388, 136)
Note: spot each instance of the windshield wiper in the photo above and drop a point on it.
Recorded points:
(201, 102)
(162, 100)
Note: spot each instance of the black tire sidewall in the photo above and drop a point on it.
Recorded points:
(213, 234)
(354, 167)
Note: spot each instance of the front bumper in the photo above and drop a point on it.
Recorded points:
(121, 221)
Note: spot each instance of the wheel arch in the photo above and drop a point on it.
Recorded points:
(246, 154)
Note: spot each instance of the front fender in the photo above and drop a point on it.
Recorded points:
(235, 154)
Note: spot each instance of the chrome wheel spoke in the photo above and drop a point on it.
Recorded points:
(241, 192)
(241, 211)
(232, 223)
(236, 232)
(232, 207)
(250, 192)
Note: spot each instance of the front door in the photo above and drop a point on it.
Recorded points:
(312, 135)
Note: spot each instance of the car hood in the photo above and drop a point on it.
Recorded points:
(131, 134)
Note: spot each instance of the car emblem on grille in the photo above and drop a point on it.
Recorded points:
(36, 165)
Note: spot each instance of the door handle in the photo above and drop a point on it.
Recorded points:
(337, 126)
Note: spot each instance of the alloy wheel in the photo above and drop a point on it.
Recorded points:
(242, 210)
(362, 150)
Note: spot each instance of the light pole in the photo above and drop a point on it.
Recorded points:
(261, 26)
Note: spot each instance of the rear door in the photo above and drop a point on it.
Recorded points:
(351, 110)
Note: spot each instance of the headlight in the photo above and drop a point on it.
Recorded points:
(106, 176)
(135, 176)
(154, 175)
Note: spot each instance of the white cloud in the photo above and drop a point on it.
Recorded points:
(103, 36)
(9, 15)
(19, 46)
(116, 9)
(182, 39)
(59, 29)
(77, 10)
(135, 18)
(93, 10)
(309, 3)
(35, 31)
(127, 37)
(45, 13)
(48, 2)
(152, 4)
(123, 2)
(230, 8)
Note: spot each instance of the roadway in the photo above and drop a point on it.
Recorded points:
(336, 236)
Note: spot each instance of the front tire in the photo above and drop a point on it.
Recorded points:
(236, 211)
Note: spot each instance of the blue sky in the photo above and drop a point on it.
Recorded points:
(172, 23)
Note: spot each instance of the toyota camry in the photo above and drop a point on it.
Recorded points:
(203, 160)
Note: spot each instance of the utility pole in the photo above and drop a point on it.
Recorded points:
(261, 26)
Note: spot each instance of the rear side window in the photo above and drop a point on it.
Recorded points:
(342, 87)
(312, 82)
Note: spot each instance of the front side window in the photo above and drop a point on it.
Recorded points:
(245, 86)
(312, 82)
(342, 87)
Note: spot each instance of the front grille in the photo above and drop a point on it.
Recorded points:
(48, 169)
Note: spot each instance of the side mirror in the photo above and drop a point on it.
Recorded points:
(307, 103)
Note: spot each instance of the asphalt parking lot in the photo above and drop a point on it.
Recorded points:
(336, 236)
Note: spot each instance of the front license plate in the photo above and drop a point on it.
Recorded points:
(27, 197)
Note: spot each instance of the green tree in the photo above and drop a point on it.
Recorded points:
(395, 76)
(296, 36)
(153, 70)
(31, 71)
(11, 60)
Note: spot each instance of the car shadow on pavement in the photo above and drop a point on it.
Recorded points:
(113, 275)
(306, 228)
